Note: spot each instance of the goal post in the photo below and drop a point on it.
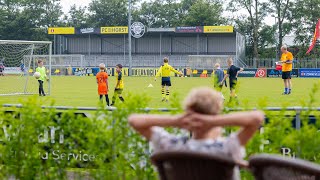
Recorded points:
(19, 61)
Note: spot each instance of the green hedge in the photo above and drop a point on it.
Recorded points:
(44, 144)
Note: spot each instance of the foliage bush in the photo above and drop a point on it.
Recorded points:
(110, 149)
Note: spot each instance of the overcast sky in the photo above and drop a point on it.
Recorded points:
(66, 4)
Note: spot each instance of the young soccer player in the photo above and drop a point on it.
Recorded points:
(203, 119)
(232, 73)
(164, 71)
(217, 78)
(43, 76)
(102, 81)
(119, 86)
(286, 60)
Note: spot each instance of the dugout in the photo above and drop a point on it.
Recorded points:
(176, 43)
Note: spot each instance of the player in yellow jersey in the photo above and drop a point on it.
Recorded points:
(286, 60)
(119, 86)
(164, 72)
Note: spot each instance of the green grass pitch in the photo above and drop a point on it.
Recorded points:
(82, 91)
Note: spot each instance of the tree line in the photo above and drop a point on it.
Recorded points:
(29, 19)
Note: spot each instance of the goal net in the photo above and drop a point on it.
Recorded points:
(18, 62)
(204, 62)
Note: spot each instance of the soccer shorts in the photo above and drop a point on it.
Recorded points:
(286, 75)
(166, 81)
(102, 90)
(118, 91)
(232, 84)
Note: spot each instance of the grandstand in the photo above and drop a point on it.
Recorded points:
(149, 50)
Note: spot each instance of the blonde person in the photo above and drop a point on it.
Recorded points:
(202, 118)
(232, 73)
(102, 81)
(164, 71)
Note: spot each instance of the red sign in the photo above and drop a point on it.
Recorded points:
(261, 72)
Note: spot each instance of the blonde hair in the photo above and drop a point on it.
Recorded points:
(203, 100)
(229, 61)
(102, 67)
(217, 65)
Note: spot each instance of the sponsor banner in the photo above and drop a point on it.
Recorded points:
(152, 72)
(84, 71)
(109, 71)
(87, 31)
(248, 73)
(189, 29)
(312, 73)
(261, 73)
(114, 30)
(61, 30)
(218, 29)
(12, 70)
(160, 29)
(125, 71)
(277, 73)
(144, 71)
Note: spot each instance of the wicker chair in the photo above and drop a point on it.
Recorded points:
(276, 167)
(186, 165)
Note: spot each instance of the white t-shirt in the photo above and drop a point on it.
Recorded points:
(162, 140)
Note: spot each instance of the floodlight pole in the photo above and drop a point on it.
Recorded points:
(129, 37)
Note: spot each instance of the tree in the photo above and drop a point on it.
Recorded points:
(150, 14)
(305, 16)
(282, 12)
(257, 11)
(204, 12)
(108, 13)
(28, 19)
(77, 17)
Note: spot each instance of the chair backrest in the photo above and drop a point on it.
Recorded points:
(186, 165)
(267, 166)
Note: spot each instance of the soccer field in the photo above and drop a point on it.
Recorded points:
(82, 91)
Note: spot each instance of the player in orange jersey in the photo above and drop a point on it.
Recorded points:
(102, 81)
(286, 60)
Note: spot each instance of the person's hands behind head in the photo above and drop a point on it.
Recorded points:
(193, 121)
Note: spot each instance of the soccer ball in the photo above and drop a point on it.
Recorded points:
(36, 75)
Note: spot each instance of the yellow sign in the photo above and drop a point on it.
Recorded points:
(125, 71)
(61, 30)
(114, 30)
(218, 29)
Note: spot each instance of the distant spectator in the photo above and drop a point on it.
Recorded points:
(202, 118)
(69, 70)
(22, 68)
(217, 78)
(1, 69)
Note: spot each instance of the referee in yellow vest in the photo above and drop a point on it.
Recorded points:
(164, 72)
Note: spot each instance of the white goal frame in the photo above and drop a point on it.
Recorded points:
(27, 57)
